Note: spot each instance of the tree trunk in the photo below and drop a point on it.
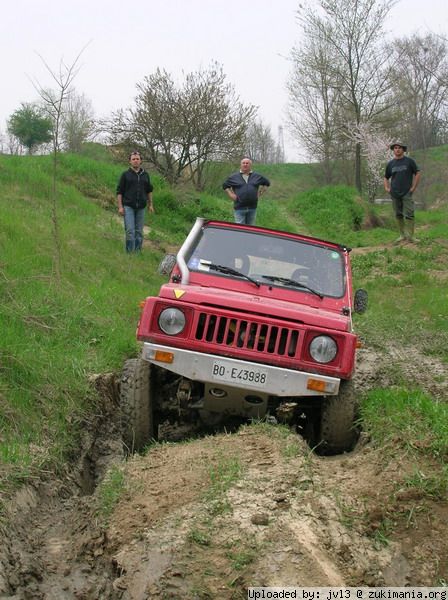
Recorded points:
(358, 181)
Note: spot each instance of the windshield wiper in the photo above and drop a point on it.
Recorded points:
(228, 271)
(292, 282)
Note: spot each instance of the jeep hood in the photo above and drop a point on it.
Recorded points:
(318, 315)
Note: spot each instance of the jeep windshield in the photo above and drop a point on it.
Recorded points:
(270, 259)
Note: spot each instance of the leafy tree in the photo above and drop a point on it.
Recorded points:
(30, 126)
(180, 127)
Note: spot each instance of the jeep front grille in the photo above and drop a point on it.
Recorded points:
(247, 334)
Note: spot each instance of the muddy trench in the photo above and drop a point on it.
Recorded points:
(289, 520)
(53, 546)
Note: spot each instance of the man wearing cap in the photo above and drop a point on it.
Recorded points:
(401, 179)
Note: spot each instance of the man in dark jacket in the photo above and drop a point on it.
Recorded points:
(244, 188)
(134, 194)
(401, 178)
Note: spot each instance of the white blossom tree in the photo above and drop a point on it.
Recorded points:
(374, 145)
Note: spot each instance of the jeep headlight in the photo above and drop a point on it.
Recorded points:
(323, 349)
(172, 321)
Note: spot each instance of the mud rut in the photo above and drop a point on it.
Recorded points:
(301, 520)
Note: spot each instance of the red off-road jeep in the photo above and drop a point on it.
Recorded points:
(254, 323)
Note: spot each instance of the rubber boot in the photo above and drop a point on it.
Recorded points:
(409, 231)
(402, 237)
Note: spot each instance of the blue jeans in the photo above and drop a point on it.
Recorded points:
(245, 216)
(134, 219)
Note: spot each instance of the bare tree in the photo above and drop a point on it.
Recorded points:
(13, 145)
(54, 101)
(353, 65)
(421, 89)
(180, 127)
(155, 125)
(314, 99)
(215, 120)
(260, 145)
(77, 121)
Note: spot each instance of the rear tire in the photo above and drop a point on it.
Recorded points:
(136, 400)
(338, 431)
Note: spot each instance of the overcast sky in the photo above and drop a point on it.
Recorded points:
(126, 41)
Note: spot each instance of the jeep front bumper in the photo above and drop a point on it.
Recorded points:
(232, 372)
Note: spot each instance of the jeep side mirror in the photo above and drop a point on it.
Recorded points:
(360, 301)
(167, 264)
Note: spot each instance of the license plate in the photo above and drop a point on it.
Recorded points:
(236, 373)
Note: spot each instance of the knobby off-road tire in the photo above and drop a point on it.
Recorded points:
(338, 431)
(136, 400)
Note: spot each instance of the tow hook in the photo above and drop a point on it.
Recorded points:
(183, 393)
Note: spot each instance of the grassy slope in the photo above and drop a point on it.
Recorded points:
(54, 335)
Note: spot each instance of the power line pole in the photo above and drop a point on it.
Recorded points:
(280, 145)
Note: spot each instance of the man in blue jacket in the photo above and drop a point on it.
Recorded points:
(244, 188)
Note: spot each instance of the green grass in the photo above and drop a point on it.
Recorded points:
(329, 211)
(223, 475)
(433, 486)
(109, 493)
(55, 334)
(432, 162)
(199, 537)
(241, 557)
(407, 295)
(408, 418)
(410, 423)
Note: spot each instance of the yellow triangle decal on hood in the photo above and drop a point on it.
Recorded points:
(179, 293)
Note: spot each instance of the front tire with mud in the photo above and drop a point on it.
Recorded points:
(136, 403)
(338, 431)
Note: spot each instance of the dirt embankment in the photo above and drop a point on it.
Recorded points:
(208, 518)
